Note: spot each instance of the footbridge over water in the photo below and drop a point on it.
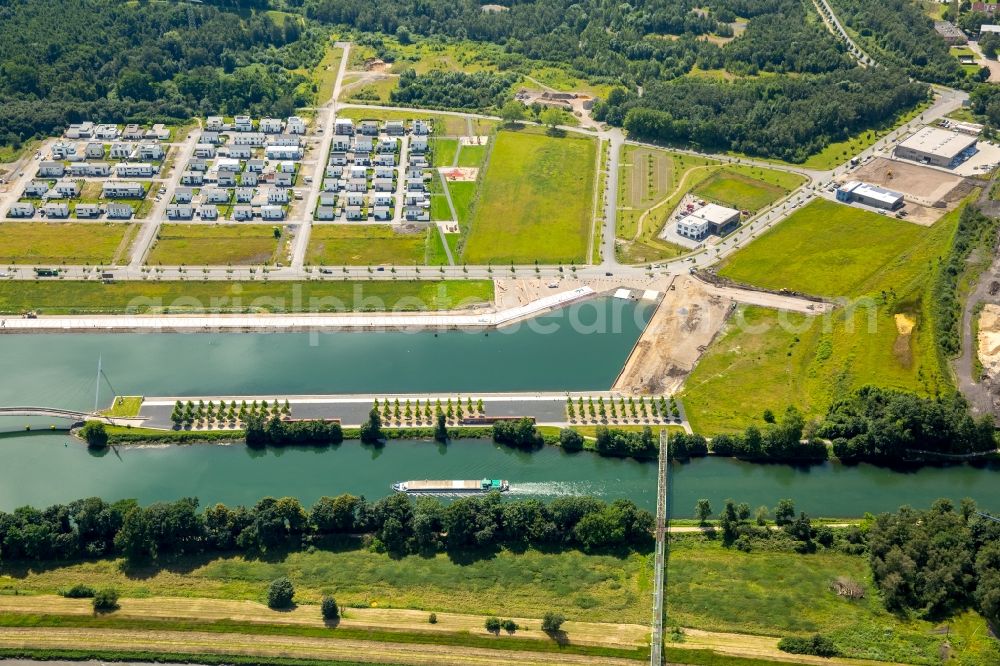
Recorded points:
(55, 412)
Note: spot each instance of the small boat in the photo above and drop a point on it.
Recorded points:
(454, 487)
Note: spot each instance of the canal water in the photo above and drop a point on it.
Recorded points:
(579, 348)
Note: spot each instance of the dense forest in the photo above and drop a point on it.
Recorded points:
(397, 524)
(61, 62)
(937, 562)
(453, 90)
(903, 36)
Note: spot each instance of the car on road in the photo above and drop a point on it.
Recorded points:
(380, 268)
(326, 271)
(609, 274)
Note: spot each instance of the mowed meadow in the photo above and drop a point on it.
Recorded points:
(535, 200)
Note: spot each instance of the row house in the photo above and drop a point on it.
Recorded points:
(122, 189)
(343, 127)
(205, 150)
(36, 189)
(180, 211)
(66, 188)
(134, 170)
(208, 212)
(120, 211)
(242, 213)
(255, 139)
(86, 211)
(50, 168)
(283, 152)
(56, 210)
(94, 151)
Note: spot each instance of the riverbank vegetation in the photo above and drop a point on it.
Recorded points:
(204, 296)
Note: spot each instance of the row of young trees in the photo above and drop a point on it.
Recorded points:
(398, 524)
(657, 408)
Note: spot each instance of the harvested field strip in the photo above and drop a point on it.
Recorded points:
(307, 615)
(368, 651)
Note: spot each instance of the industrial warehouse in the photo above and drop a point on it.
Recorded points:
(937, 147)
(855, 191)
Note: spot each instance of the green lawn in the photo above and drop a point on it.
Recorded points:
(536, 201)
(462, 195)
(340, 244)
(443, 151)
(124, 406)
(59, 242)
(440, 211)
(472, 156)
(828, 249)
(747, 188)
(215, 245)
(784, 359)
(436, 256)
(73, 297)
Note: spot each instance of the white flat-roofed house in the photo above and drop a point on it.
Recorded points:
(89, 169)
(363, 144)
(295, 125)
(354, 213)
(225, 178)
(277, 195)
(327, 199)
(106, 132)
(386, 145)
(382, 213)
(383, 171)
(63, 150)
(121, 151)
(343, 126)
(382, 185)
(421, 127)
(355, 171)
(158, 132)
(394, 127)
(357, 185)
(249, 178)
(284, 140)
(215, 123)
(183, 195)
(192, 177)
(208, 212)
(150, 151)
(325, 213)
(418, 144)
(364, 159)
(244, 194)
(331, 184)
(338, 159)
(355, 199)
(415, 185)
(36, 189)
(205, 150)
(381, 199)
(122, 189)
(255, 139)
(242, 213)
(340, 144)
(180, 211)
(21, 209)
(51, 169)
(283, 152)
(238, 152)
(214, 195)
(85, 211)
(134, 170)
(119, 211)
(256, 165)
(369, 127)
(197, 164)
(416, 214)
(228, 164)
(414, 172)
(67, 188)
(211, 137)
(243, 124)
(332, 171)
(281, 178)
(388, 159)
(56, 210)
(80, 130)
(414, 198)
(94, 151)
(419, 161)
(271, 125)
(272, 212)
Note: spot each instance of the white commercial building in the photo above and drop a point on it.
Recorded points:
(938, 147)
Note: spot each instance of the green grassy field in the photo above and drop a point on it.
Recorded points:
(443, 151)
(472, 156)
(324, 75)
(72, 297)
(436, 256)
(584, 587)
(829, 249)
(747, 188)
(440, 211)
(124, 406)
(536, 201)
(341, 244)
(784, 359)
(462, 195)
(215, 245)
(59, 243)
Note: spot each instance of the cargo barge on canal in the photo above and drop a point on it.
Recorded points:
(454, 487)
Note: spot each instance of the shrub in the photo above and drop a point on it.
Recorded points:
(106, 600)
(280, 593)
(95, 434)
(552, 622)
(79, 592)
(818, 645)
(493, 625)
(570, 439)
(329, 608)
(433, 618)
